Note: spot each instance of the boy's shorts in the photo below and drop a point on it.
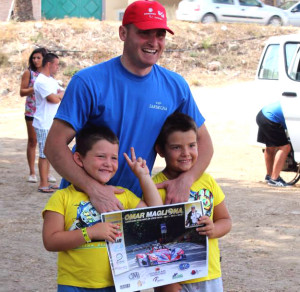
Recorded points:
(270, 133)
(215, 285)
(66, 288)
(41, 136)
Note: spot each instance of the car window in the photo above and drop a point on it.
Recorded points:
(223, 1)
(269, 65)
(249, 3)
(296, 9)
(292, 58)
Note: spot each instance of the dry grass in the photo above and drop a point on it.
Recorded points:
(84, 42)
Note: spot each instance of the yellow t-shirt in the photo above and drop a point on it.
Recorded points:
(88, 265)
(207, 190)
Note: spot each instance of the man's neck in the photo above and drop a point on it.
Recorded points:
(133, 69)
(46, 72)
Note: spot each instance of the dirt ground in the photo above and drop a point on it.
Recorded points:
(261, 253)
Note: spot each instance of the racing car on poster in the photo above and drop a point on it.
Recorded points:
(160, 254)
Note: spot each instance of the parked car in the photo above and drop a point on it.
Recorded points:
(278, 78)
(292, 9)
(252, 11)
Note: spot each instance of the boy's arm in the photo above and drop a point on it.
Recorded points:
(55, 238)
(178, 190)
(140, 169)
(220, 225)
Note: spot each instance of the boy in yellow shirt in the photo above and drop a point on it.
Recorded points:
(177, 144)
(73, 227)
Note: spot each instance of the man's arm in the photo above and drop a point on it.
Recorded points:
(178, 189)
(55, 97)
(61, 158)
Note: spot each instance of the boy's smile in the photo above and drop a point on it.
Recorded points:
(180, 153)
(101, 162)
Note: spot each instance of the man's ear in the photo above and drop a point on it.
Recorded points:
(122, 32)
(159, 151)
(77, 159)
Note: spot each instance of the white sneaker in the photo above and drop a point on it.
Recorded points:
(51, 178)
(32, 178)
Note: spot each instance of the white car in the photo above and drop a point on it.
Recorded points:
(252, 11)
(278, 78)
(292, 9)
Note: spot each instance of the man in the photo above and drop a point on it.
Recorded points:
(192, 217)
(48, 95)
(271, 131)
(133, 96)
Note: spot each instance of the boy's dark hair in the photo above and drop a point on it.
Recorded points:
(175, 122)
(49, 58)
(41, 51)
(87, 137)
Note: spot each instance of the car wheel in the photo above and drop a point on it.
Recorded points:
(275, 21)
(209, 18)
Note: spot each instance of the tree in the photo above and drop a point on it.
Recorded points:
(23, 10)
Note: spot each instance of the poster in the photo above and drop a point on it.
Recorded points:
(156, 246)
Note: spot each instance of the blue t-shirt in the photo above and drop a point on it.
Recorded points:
(273, 112)
(133, 107)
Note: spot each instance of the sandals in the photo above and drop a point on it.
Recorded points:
(51, 178)
(46, 190)
(32, 178)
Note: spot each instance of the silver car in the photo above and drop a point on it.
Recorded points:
(251, 11)
(292, 9)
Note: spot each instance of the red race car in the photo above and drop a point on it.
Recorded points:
(160, 255)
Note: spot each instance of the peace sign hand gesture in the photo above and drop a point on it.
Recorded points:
(138, 166)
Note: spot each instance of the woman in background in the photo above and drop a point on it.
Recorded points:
(26, 89)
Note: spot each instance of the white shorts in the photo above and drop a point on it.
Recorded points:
(215, 285)
(41, 136)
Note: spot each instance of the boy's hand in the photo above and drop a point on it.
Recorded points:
(208, 228)
(103, 231)
(138, 166)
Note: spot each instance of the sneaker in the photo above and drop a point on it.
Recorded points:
(51, 178)
(279, 182)
(267, 178)
(32, 178)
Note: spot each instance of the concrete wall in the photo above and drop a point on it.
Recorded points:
(4, 9)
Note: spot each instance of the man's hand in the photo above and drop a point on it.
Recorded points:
(177, 190)
(104, 200)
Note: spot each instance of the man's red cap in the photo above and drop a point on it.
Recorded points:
(146, 15)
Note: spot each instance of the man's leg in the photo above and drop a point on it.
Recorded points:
(44, 171)
(269, 159)
(279, 160)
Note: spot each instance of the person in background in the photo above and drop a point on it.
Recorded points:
(272, 133)
(133, 96)
(177, 144)
(48, 95)
(83, 262)
(26, 89)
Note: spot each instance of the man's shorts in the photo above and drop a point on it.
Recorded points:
(270, 133)
(41, 136)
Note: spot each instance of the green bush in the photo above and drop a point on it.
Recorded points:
(70, 71)
(3, 60)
